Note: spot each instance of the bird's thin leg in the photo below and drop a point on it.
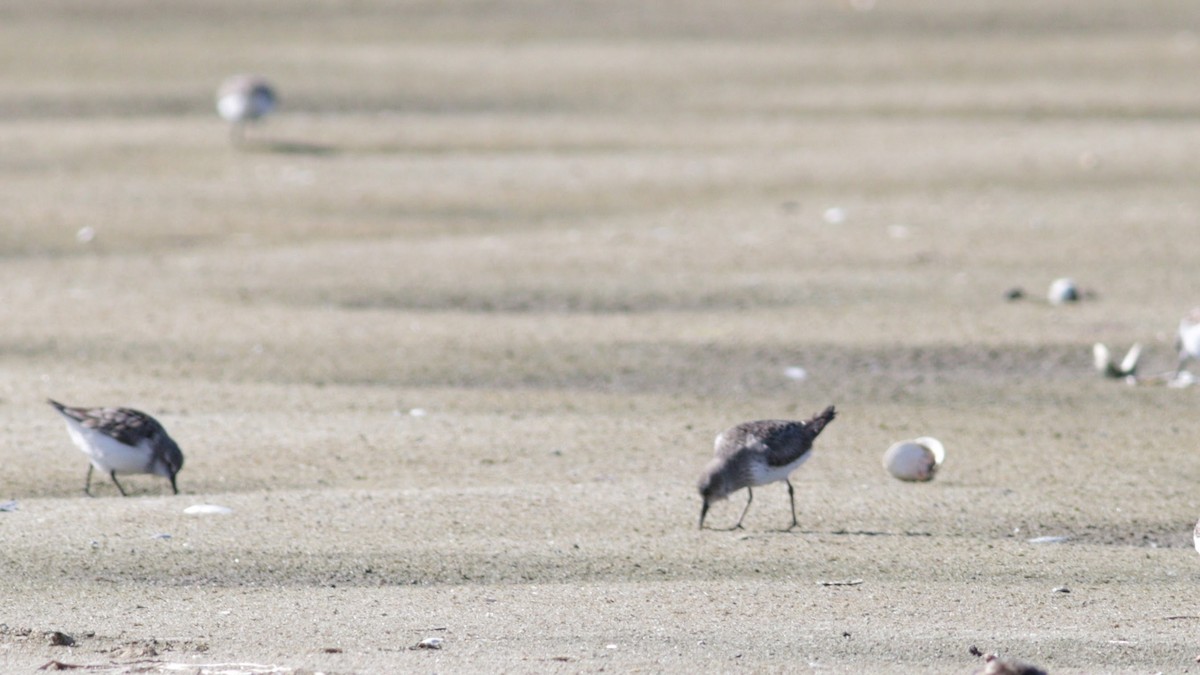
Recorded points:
(113, 474)
(792, 499)
(739, 522)
(703, 511)
(177, 489)
(87, 484)
(1183, 359)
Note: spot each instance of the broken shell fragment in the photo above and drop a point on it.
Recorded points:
(915, 460)
(430, 643)
(207, 510)
(997, 666)
(1196, 537)
(1104, 362)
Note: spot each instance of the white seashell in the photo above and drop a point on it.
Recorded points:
(834, 215)
(1129, 363)
(1104, 363)
(1053, 539)
(1062, 290)
(795, 373)
(207, 509)
(1196, 536)
(430, 643)
(915, 460)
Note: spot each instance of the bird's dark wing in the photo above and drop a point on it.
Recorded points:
(124, 424)
(785, 441)
(782, 441)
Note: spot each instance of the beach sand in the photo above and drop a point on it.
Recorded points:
(452, 334)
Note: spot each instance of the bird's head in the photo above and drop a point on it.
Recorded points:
(712, 488)
(170, 460)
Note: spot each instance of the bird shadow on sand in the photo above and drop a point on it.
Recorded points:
(836, 533)
(282, 146)
(288, 147)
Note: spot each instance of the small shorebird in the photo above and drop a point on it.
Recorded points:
(757, 453)
(242, 99)
(1187, 340)
(120, 440)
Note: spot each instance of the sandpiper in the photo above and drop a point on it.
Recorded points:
(1187, 340)
(120, 440)
(242, 99)
(757, 453)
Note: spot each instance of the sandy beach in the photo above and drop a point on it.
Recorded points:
(452, 333)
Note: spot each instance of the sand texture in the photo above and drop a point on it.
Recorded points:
(452, 333)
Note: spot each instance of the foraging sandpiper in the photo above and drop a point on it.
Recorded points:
(120, 440)
(242, 99)
(757, 453)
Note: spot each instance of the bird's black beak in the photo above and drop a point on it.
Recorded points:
(703, 512)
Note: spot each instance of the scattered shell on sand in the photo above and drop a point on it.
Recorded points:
(1196, 537)
(998, 666)
(915, 460)
(430, 643)
(1052, 539)
(1062, 291)
(834, 215)
(207, 510)
(1104, 362)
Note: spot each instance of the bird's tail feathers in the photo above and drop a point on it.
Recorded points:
(818, 422)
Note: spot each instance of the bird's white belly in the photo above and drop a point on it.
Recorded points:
(764, 474)
(107, 453)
